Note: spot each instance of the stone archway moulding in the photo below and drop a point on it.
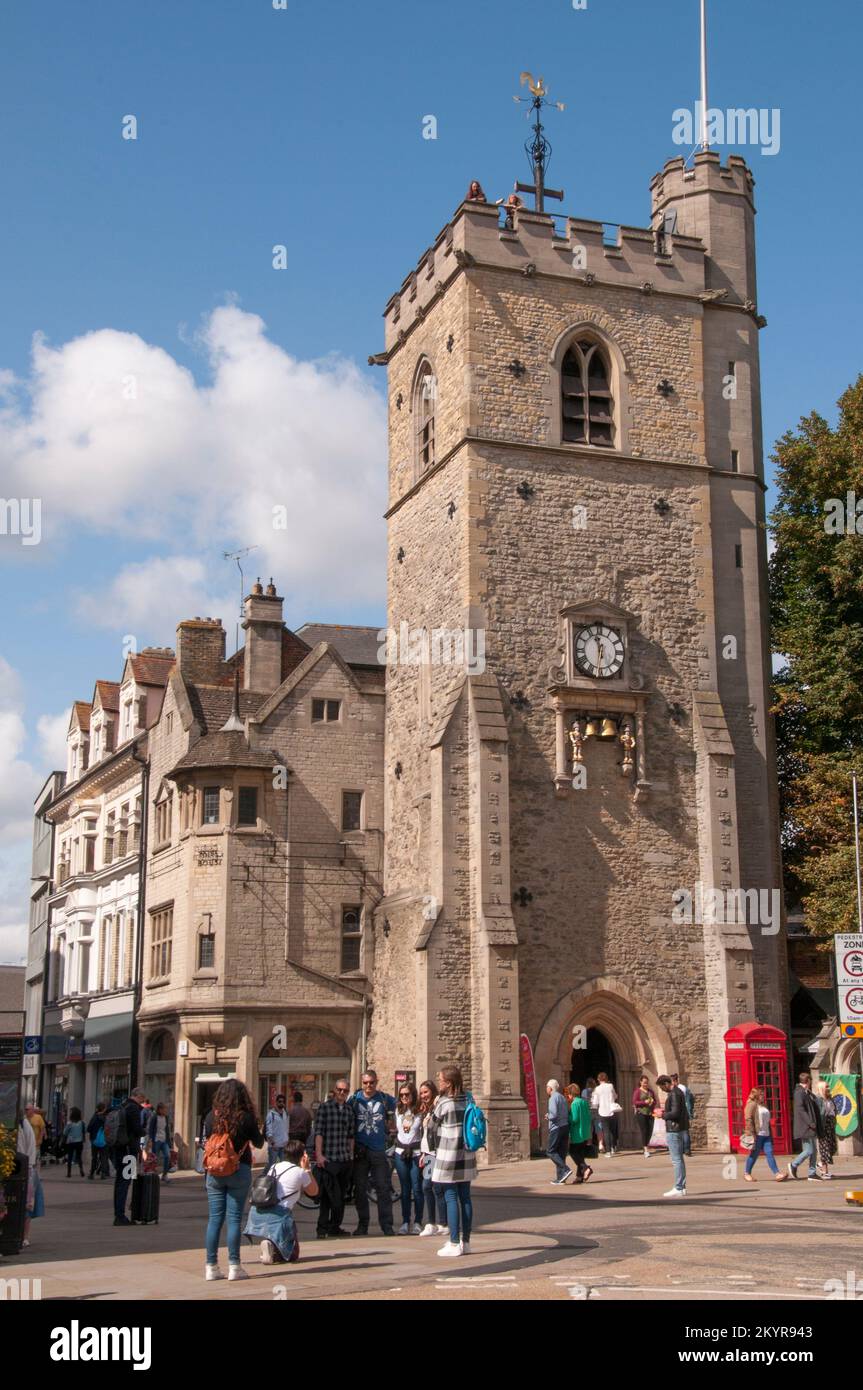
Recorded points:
(634, 1030)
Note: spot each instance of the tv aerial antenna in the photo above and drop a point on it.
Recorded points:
(238, 555)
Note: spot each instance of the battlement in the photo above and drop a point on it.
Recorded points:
(708, 175)
(534, 243)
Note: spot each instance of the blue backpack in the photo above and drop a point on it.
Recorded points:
(475, 1125)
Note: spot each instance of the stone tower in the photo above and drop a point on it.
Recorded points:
(576, 479)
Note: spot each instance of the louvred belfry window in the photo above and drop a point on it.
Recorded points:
(586, 399)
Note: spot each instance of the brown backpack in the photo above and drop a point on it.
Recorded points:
(220, 1157)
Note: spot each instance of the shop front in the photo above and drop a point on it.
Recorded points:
(107, 1048)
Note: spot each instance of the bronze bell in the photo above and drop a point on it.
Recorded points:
(592, 730)
(608, 730)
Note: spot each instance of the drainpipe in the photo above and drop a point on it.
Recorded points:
(134, 1040)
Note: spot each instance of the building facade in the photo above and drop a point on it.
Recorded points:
(41, 877)
(94, 903)
(576, 476)
(264, 862)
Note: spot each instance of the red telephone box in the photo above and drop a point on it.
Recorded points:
(757, 1055)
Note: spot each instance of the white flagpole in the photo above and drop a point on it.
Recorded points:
(705, 143)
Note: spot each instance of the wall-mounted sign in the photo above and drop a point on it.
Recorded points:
(32, 1044)
(209, 855)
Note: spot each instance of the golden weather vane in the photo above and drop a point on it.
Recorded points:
(538, 148)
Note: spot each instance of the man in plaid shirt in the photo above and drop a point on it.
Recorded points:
(334, 1156)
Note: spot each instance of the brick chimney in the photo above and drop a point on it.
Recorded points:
(263, 626)
(201, 650)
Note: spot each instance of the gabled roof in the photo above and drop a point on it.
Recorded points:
(323, 649)
(107, 695)
(80, 715)
(358, 646)
(151, 668)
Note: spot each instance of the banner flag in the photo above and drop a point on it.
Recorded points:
(843, 1090)
(529, 1071)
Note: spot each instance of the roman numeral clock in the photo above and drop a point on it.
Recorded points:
(597, 697)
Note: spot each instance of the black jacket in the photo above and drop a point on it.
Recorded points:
(807, 1114)
(676, 1115)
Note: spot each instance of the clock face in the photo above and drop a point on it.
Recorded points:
(598, 650)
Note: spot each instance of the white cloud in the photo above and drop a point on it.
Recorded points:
(51, 730)
(147, 600)
(116, 436)
(19, 781)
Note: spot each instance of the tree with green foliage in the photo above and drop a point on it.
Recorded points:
(816, 587)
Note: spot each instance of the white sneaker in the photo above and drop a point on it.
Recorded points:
(416, 1230)
(606, 1153)
(266, 1252)
(465, 1247)
(429, 1230)
(675, 1192)
(441, 1230)
(237, 1272)
(404, 1229)
(213, 1272)
(647, 1153)
(449, 1250)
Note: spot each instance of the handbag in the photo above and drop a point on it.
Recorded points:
(616, 1109)
(746, 1141)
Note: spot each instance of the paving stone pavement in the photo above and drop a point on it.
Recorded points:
(615, 1238)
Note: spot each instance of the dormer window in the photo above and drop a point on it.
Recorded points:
(425, 400)
(127, 727)
(586, 399)
(96, 748)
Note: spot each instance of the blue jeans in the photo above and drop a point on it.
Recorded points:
(161, 1146)
(411, 1181)
(763, 1145)
(433, 1198)
(676, 1149)
(275, 1154)
(557, 1150)
(457, 1196)
(810, 1151)
(227, 1196)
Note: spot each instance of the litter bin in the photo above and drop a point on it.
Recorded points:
(15, 1202)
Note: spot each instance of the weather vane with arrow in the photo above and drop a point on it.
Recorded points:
(538, 148)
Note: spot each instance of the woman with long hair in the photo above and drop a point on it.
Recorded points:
(454, 1164)
(759, 1129)
(433, 1198)
(643, 1106)
(827, 1144)
(230, 1131)
(604, 1101)
(409, 1123)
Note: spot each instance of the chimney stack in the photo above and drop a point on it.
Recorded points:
(263, 626)
(201, 650)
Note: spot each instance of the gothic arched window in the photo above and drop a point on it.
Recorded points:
(425, 399)
(586, 400)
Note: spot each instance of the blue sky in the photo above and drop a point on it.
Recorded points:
(303, 127)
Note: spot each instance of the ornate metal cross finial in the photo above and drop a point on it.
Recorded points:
(538, 148)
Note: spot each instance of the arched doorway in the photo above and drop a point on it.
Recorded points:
(623, 1037)
(596, 1055)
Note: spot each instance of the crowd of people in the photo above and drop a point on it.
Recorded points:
(580, 1120)
(344, 1150)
